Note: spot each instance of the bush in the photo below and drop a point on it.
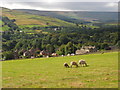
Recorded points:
(38, 56)
(8, 55)
(25, 57)
(105, 46)
(20, 53)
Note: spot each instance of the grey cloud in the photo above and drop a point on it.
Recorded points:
(62, 0)
(89, 6)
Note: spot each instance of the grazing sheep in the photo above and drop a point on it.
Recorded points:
(73, 63)
(102, 53)
(66, 65)
(82, 62)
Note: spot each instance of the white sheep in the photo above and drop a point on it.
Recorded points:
(73, 63)
(82, 63)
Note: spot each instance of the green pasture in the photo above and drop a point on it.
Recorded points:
(29, 20)
(102, 72)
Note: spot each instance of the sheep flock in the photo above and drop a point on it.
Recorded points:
(81, 63)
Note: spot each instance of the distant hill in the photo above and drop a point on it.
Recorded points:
(27, 18)
(23, 18)
(57, 18)
(76, 16)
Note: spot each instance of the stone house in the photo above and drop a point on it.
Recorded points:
(89, 48)
(27, 53)
(80, 52)
(31, 52)
(86, 49)
(45, 53)
(54, 54)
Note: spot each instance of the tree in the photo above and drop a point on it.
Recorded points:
(77, 24)
(79, 46)
(50, 48)
(54, 40)
(10, 23)
(18, 45)
(105, 46)
(63, 39)
(70, 48)
(118, 44)
(61, 50)
(8, 55)
(47, 23)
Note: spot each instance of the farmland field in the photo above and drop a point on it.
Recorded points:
(102, 72)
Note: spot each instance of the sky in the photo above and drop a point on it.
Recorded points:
(62, 5)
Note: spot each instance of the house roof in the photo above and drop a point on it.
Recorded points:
(80, 51)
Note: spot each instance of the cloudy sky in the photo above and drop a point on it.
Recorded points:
(62, 5)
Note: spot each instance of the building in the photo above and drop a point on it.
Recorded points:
(31, 52)
(45, 53)
(54, 54)
(80, 52)
(27, 53)
(89, 48)
(86, 49)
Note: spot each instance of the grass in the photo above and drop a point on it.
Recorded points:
(102, 72)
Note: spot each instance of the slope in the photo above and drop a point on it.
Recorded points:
(77, 16)
(22, 18)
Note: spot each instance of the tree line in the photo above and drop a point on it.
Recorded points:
(62, 42)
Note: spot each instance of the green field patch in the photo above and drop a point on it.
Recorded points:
(5, 28)
(102, 72)
(30, 26)
(112, 24)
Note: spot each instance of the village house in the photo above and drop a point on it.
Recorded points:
(27, 54)
(89, 48)
(80, 52)
(45, 53)
(30, 53)
(86, 49)
(32, 57)
(54, 54)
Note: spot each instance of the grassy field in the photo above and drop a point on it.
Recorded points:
(102, 72)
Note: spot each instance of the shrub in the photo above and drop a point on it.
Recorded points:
(25, 57)
(38, 56)
(8, 55)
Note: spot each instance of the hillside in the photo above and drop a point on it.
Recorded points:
(77, 16)
(29, 19)
(32, 18)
